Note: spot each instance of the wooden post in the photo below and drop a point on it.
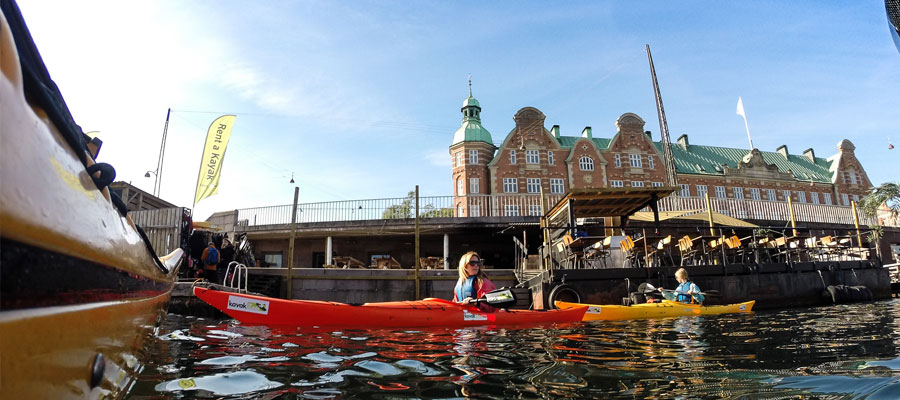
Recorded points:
(856, 223)
(290, 274)
(417, 244)
(793, 221)
(712, 232)
(646, 250)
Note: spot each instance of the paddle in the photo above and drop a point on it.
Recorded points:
(500, 298)
(650, 288)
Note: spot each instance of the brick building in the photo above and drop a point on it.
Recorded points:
(532, 158)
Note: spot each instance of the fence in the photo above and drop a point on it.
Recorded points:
(162, 226)
(473, 206)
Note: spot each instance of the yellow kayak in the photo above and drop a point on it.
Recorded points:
(654, 310)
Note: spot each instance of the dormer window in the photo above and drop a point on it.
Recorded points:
(586, 163)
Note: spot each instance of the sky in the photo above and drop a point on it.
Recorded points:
(360, 99)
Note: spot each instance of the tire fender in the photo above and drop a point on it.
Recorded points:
(565, 293)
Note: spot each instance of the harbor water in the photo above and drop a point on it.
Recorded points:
(831, 352)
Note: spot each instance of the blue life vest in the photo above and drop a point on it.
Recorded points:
(466, 288)
(681, 293)
(212, 257)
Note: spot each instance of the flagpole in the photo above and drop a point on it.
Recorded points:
(740, 111)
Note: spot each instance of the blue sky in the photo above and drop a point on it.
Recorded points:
(360, 99)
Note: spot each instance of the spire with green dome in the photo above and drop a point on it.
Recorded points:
(471, 129)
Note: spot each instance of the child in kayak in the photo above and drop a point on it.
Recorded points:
(472, 283)
(686, 292)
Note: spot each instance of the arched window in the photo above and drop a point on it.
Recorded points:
(586, 163)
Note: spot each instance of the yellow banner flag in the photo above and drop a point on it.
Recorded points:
(213, 157)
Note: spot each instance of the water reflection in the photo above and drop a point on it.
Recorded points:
(846, 351)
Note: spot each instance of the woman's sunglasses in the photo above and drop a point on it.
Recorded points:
(476, 263)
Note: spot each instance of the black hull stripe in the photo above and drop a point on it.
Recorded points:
(33, 277)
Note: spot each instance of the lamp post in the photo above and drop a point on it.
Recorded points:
(156, 176)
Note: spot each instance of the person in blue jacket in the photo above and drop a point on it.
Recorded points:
(686, 292)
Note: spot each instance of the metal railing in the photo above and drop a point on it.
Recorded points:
(474, 206)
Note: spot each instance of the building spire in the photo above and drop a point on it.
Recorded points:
(470, 85)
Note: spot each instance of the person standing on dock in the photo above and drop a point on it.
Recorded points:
(210, 259)
(472, 283)
(686, 292)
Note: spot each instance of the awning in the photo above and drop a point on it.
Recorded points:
(606, 202)
(663, 215)
(720, 219)
(205, 226)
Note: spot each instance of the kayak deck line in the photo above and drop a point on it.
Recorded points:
(430, 312)
(664, 309)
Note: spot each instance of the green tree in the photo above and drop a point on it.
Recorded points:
(407, 208)
(403, 210)
(888, 194)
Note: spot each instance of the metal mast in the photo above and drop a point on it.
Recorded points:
(671, 179)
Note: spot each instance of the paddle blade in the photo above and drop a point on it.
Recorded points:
(646, 287)
(500, 298)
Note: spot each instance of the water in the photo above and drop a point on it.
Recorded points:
(833, 352)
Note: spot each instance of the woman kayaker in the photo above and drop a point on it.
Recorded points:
(472, 283)
(686, 292)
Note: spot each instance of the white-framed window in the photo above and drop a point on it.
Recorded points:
(459, 187)
(851, 177)
(531, 157)
(635, 160)
(511, 210)
(650, 161)
(510, 185)
(657, 184)
(814, 197)
(754, 194)
(616, 184)
(459, 210)
(720, 192)
(273, 259)
(786, 194)
(856, 198)
(534, 210)
(685, 190)
(473, 156)
(533, 185)
(845, 199)
(801, 197)
(826, 198)
(586, 163)
(618, 161)
(550, 159)
(459, 159)
(474, 186)
(701, 190)
(474, 211)
(637, 184)
(557, 186)
(770, 195)
(512, 156)
(738, 192)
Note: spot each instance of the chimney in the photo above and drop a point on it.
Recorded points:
(810, 154)
(683, 141)
(586, 133)
(555, 131)
(782, 150)
(649, 135)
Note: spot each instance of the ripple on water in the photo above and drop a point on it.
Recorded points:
(229, 383)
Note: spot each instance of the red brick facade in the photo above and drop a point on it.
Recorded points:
(531, 155)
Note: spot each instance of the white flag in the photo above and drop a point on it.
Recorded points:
(740, 108)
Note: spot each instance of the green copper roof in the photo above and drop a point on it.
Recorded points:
(697, 159)
(569, 141)
(703, 160)
(471, 129)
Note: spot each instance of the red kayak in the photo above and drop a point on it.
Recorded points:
(262, 310)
